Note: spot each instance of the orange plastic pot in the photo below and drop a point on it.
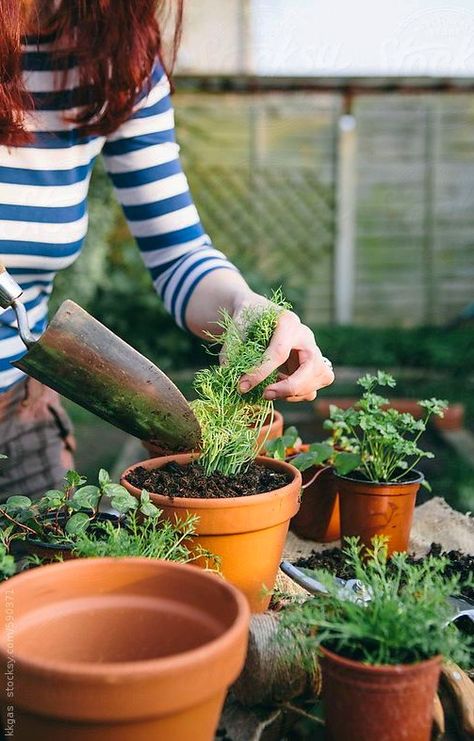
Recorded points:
(247, 533)
(370, 508)
(318, 517)
(119, 649)
(369, 703)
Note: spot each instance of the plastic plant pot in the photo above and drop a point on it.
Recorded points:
(369, 703)
(371, 508)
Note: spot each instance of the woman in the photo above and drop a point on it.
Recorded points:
(79, 79)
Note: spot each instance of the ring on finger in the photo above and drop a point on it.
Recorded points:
(327, 362)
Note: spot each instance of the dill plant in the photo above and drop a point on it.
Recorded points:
(231, 422)
(405, 621)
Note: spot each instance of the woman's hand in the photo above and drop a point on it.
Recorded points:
(302, 370)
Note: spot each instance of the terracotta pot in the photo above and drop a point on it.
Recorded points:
(117, 649)
(318, 517)
(370, 703)
(453, 418)
(369, 508)
(268, 432)
(247, 533)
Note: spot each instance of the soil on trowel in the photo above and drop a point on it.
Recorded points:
(191, 481)
(334, 561)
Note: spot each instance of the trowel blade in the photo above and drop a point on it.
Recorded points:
(87, 363)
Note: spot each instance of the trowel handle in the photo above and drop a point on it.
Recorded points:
(461, 690)
(10, 291)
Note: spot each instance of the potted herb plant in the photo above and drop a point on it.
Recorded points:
(120, 648)
(243, 502)
(68, 523)
(380, 653)
(378, 497)
(318, 517)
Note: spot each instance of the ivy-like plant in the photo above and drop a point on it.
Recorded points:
(231, 422)
(71, 517)
(324, 454)
(61, 515)
(383, 441)
(406, 619)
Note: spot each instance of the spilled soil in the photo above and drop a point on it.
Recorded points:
(191, 481)
(334, 561)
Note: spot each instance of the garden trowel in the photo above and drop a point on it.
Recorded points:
(87, 363)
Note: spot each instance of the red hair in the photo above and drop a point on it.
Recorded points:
(115, 42)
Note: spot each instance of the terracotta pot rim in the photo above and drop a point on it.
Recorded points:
(135, 671)
(418, 477)
(276, 417)
(378, 669)
(214, 503)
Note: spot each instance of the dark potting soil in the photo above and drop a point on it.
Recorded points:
(334, 561)
(191, 481)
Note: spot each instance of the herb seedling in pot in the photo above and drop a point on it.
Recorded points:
(243, 503)
(380, 658)
(379, 481)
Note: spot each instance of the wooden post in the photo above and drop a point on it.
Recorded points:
(344, 258)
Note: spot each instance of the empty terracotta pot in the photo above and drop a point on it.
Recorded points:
(318, 517)
(119, 649)
(369, 508)
(247, 533)
(370, 703)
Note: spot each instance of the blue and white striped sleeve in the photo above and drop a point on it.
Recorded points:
(142, 158)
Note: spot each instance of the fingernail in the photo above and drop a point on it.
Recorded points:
(270, 395)
(245, 386)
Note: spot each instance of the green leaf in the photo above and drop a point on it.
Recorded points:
(323, 451)
(344, 463)
(74, 479)
(17, 503)
(290, 436)
(123, 501)
(149, 509)
(87, 497)
(77, 524)
(104, 477)
(303, 461)
(115, 490)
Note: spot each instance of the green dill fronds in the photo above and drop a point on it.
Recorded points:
(231, 422)
(405, 621)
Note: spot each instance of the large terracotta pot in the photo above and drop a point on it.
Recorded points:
(370, 703)
(119, 649)
(247, 533)
(318, 517)
(369, 508)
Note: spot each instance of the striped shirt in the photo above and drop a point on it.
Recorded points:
(43, 198)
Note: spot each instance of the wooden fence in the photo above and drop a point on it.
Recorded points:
(365, 219)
